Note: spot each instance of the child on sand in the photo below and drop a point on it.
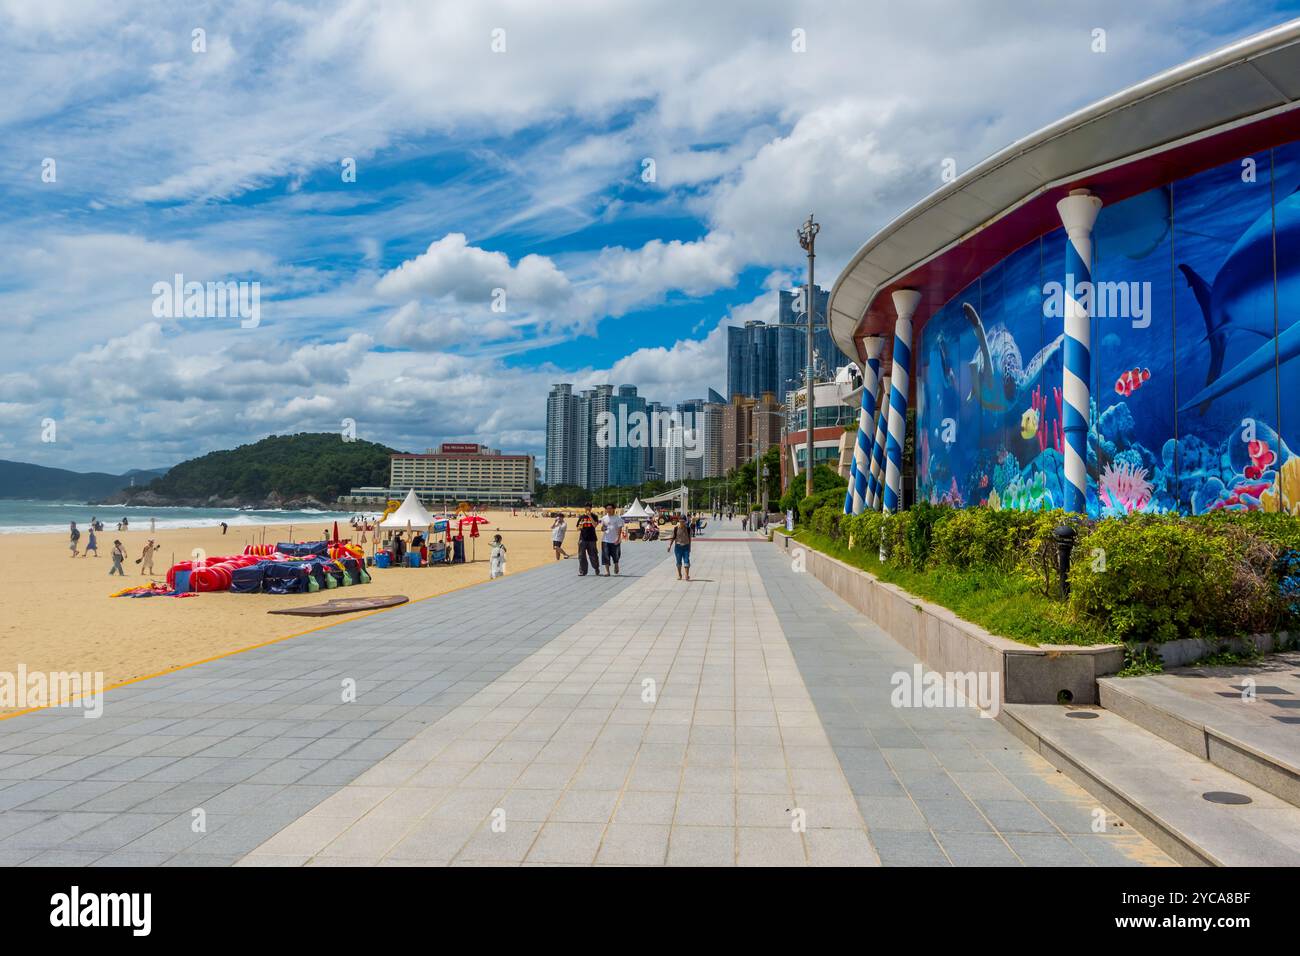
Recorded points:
(558, 531)
(91, 543)
(497, 559)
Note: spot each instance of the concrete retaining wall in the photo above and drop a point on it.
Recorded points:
(1189, 650)
(945, 643)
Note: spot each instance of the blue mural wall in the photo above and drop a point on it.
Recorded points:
(1195, 357)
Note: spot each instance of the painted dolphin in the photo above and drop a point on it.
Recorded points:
(1241, 300)
(999, 379)
(949, 377)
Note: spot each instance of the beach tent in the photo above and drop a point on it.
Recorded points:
(410, 515)
(303, 550)
(287, 577)
(638, 511)
(247, 580)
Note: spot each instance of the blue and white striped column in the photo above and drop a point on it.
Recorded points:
(853, 483)
(905, 303)
(866, 422)
(1078, 212)
(876, 478)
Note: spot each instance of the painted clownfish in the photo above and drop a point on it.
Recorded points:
(1261, 457)
(1131, 381)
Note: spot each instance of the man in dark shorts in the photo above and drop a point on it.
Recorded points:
(611, 542)
(587, 527)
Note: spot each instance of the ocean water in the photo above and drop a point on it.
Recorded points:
(22, 516)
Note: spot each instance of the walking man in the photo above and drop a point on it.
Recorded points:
(73, 537)
(119, 555)
(587, 525)
(679, 543)
(611, 543)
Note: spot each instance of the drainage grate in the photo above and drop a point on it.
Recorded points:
(1082, 714)
(1226, 796)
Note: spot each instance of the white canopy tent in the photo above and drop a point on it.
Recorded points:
(411, 515)
(638, 510)
(680, 494)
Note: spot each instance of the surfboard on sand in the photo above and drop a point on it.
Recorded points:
(345, 605)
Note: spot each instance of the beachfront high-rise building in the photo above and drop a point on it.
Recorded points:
(607, 436)
(765, 357)
(583, 439)
(625, 446)
(599, 407)
(563, 436)
(751, 359)
(749, 428)
(737, 445)
(656, 414)
(708, 427)
(767, 419)
(464, 472)
(792, 347)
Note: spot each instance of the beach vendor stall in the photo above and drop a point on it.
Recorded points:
(411, 518)
(641, 514)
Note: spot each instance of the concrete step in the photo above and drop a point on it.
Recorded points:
(1256, 739)
(1159, 788)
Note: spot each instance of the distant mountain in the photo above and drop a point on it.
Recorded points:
(20, 479)
(303, 470)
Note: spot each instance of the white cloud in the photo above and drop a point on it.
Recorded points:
(452, 268)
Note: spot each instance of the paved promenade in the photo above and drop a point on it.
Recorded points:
(548, 719)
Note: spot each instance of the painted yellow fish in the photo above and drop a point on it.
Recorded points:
(1029, 423)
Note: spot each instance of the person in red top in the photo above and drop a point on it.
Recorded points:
(587, 526)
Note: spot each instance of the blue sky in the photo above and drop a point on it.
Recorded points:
(518, 169)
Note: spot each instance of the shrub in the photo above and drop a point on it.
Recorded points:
(826, 520)
(1149, 578)
(1137, 578)
(830, 498)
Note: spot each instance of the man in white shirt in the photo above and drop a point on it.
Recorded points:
(611, 539)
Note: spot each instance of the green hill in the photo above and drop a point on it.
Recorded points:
(307, 465)
(20, 479)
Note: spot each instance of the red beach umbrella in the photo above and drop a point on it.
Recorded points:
(473, 521)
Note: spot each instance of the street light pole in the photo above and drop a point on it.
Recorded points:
(808, 240)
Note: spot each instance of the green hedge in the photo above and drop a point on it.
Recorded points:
(1139, 578)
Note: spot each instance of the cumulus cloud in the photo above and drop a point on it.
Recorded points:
(452, 268)
(417, 328)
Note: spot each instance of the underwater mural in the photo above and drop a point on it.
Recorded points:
(1195, 358)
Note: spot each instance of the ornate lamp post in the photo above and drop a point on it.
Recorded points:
(808, 240)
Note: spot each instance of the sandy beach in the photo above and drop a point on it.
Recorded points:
(58, 615)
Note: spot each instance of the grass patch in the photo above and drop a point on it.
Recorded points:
(1140, 660)
(1008, 605)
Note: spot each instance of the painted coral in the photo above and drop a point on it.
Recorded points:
(1285, 494)
(1124, 488)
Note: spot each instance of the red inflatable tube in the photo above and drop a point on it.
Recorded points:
(211, 578)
